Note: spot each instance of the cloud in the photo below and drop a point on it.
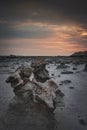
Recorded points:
(48, 10)
(38, 26)
(23, 30)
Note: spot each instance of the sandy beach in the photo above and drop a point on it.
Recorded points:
(71, 110)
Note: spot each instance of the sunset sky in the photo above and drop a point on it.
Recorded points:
(43, 27)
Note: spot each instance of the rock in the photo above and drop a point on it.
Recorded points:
(71, 87)
(60, 84)
(52, 74)
(59, 76)
(41, 74)
(66, 82)
(13, 68)
(82, 122)
(62, 66)
(77, 71)
(15, 80)
(74, 68)
(85, 69)
(37, 63)
(33, 83)
(25, 89)
(25, 71)
(67, 72)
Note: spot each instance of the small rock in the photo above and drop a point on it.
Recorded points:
(60, 84)
(13, 68)
(82, 122)
(77, 71)
(52, 74)
(66, 82)
(67, 72)
(62, 66)
(71, 87)
(74, 68)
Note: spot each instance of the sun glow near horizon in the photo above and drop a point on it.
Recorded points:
(61, 40)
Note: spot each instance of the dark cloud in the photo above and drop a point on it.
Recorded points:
(8, 32)
(51, 12)
(44, 10)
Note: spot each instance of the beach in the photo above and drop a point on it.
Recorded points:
(71, 110)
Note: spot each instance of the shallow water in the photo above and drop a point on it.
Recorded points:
(70, 111)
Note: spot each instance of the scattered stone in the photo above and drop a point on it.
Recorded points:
(82, 122)
(77, 71)
(67, 72)
(60, 84)
(66, 82)
(17, 63)
(71, 87)
(62, 66)
(13, 68)
(74, 68)
(52, 74)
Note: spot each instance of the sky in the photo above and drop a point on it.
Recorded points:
(43, 27)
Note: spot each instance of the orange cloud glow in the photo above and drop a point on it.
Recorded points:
(63, 40)
(84, 34)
